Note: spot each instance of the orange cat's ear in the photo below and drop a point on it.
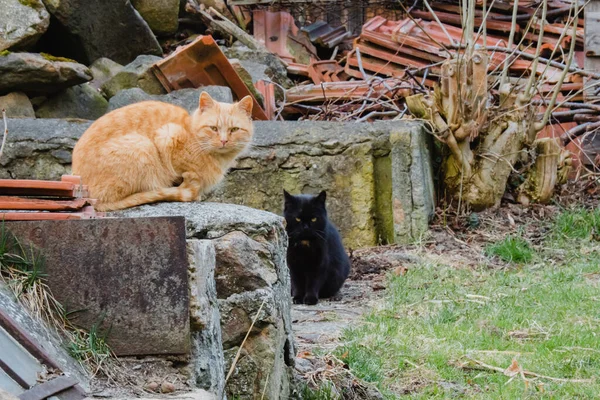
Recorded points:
(205, 102)
(245, 105)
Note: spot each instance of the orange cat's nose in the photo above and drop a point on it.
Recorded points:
(224, 142)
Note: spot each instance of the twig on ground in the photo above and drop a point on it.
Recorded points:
(524, 373)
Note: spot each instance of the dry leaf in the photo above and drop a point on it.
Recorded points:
(400, 271)
(511, 220)
(513, 370)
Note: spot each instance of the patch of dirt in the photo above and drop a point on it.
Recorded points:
(456, 239)
(147, 376)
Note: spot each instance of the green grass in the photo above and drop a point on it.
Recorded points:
(511, 249)
(437, 318)
(89, 348)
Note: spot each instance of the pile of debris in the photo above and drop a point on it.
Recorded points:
(334, 60)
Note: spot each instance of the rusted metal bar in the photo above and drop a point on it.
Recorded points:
(13, 375)
(49, 388)
(25, 340)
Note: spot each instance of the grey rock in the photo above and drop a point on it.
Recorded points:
(34, 73)
(17, 105)
(186, 98)
(81, 101)
(36, 149)
(242, 265)
(135, 74)
(102, 28)
(22, 23)
(259, 63)
(161, 15)
(102, 70)
(207, 345)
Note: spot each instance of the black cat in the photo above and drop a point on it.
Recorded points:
(316, 257)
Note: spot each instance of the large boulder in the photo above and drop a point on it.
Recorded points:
(17, 105)
(100, 28)
(186, 98)
(161, 15)
(22, 22)
(39, 73)
(81, 101)
(135, 74)
(214, 232)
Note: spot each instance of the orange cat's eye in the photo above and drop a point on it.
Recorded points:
(298, 219)
(314, 220)
(214, 128)
(234, 129)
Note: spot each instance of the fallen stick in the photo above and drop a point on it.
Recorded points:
(524, 372)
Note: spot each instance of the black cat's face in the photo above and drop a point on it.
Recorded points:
(305, 215)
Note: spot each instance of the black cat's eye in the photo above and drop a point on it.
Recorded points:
(298, 219)
(234, 129)
(214, 128)
(314, 220)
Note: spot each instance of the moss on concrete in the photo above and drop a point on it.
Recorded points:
(384, 220)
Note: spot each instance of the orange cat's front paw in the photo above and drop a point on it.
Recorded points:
(188, 194)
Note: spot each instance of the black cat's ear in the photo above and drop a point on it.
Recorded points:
(321, 197)
(289, 199)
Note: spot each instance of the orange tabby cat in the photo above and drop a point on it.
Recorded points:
(139, 153)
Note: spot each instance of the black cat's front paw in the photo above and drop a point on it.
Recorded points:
(298, 299)
(310, 299)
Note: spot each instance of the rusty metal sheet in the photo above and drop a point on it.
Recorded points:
(129, 274)
(202, 63)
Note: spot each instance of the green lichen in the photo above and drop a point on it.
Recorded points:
(50, 57)
(35, 4)
(4, 53)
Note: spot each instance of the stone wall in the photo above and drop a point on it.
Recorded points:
(244, 249)
(378, 175)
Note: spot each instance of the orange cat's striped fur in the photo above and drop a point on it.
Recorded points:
(152, 151)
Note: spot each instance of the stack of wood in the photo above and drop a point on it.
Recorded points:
(33, 200)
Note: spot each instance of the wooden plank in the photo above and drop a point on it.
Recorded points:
(19, 203)
(26, 187)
